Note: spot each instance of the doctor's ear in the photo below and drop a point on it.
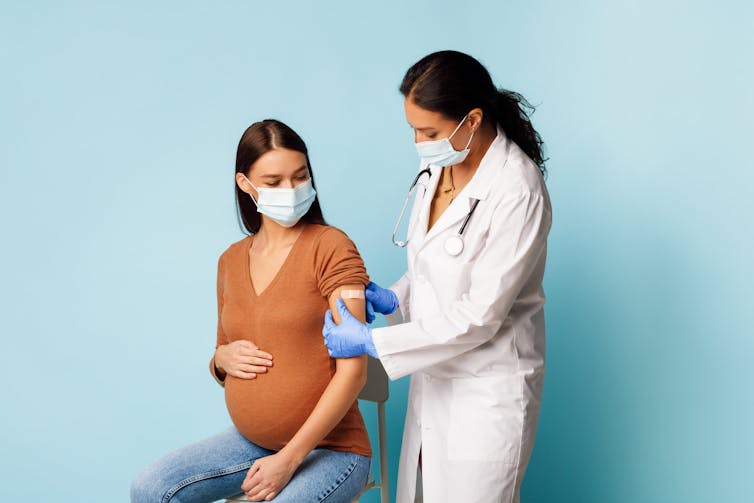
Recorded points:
(476, 116)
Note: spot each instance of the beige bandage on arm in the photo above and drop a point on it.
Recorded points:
(352, 294)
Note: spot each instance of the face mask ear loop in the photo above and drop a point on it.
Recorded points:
(469, 142)
(458, 127)
(255, 188)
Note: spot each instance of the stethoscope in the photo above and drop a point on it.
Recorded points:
(454, 244)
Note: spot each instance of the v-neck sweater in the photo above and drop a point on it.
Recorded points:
(285, 320)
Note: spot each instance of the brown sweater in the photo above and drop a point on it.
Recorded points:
(286, 321)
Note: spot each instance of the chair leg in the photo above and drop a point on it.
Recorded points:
(382, 432)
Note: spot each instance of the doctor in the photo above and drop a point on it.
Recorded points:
(466, 319)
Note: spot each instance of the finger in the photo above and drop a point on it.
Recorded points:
(329, 323)
(246, 344)
(370, 312)
(258, 492)
(255, 360)
(371, 295)
(262, 354)
(255, 483)
(252, 369)
(253, 493)
(343, 310)
(247, 351)
(246, 484)
(372, 287)
(270, 496)
(243, 375)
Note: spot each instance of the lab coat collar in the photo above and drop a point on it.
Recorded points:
(477, 188)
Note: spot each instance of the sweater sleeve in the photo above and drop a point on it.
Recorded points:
(337, 262)
(221, 337)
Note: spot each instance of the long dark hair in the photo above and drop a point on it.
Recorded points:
(452, 83)
(258, 139)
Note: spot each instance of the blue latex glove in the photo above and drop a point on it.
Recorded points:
(381, 300)
(350, 338)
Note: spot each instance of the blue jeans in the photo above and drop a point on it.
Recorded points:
(215, 468)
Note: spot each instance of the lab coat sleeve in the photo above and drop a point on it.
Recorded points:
(515, 241)
(402, 289)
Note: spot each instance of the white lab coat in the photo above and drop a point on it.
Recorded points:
(470, 331)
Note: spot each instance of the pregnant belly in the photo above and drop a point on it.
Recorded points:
(270, 409)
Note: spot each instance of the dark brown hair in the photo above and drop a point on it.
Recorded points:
(257, 140)
(453, 83)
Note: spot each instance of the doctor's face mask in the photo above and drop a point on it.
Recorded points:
(427, 125)
(441, 152)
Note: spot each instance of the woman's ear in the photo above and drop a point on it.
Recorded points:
(244, 185)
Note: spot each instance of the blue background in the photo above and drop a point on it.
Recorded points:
(118, 131)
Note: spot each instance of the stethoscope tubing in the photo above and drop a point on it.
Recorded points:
(405, 204)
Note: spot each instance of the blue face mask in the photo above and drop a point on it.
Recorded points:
(285, 206)
(441, 152)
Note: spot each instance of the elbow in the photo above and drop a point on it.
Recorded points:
(361, 376)
(360, 372)
(352, 370)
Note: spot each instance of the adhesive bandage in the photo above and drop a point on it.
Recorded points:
(352, 294)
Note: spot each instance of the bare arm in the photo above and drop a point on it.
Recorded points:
(343, 389)
(345, 386)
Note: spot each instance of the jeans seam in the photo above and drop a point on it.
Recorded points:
(203, 476)
(340, 480)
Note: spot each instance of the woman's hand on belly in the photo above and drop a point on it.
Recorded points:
(242, 359)
(268, 476)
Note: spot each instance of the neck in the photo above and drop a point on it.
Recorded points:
(273, 234)
(479, 146)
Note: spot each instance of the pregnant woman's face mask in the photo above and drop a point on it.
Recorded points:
(284, 206)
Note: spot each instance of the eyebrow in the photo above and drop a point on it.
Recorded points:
(271, 176)
(422, 128)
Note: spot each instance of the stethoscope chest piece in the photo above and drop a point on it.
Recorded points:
(454, 246)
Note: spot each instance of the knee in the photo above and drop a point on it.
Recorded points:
(147, 487)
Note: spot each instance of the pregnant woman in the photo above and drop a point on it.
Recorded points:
(298, 435)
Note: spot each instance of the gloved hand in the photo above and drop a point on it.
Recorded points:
(350, 338)
(381, 300)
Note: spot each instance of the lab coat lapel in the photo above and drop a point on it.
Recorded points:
(455, 213)
(477, 188)
(419, 232)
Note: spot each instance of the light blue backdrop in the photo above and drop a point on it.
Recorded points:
(117, 138)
